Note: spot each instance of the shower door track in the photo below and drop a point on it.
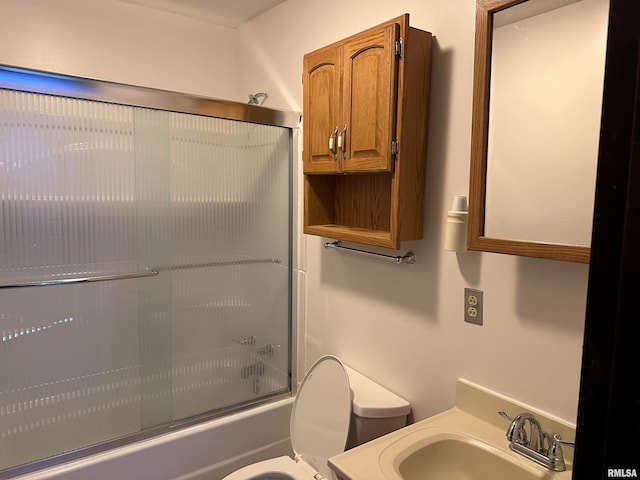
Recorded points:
(24, 80)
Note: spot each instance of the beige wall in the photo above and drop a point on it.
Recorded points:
(116, 41)
(403, 325)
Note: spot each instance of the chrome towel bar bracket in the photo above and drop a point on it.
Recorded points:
(408, 258)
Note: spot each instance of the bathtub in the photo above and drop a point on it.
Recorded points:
(207, 451)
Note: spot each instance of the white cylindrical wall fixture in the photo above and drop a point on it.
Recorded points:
(455, 236)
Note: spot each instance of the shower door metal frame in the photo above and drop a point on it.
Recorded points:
(24, 80)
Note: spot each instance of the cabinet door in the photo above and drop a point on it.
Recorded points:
(369, 100)
(321, 97)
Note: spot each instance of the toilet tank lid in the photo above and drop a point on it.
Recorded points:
(371, 400)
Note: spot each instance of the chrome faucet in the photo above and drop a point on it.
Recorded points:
(534, 444)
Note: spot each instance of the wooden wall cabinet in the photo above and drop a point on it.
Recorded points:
(366, 103)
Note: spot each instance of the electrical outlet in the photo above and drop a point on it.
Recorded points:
(473, 306)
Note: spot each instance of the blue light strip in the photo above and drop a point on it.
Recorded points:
(33, 81)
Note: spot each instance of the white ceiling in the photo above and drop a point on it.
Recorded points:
(228, 13)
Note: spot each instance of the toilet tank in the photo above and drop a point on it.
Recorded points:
(376, 411)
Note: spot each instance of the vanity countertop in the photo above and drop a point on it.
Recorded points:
(474, 419)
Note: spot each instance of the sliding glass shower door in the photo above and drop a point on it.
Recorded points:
(144, 266)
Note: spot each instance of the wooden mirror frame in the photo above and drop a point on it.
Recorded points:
(479, 135)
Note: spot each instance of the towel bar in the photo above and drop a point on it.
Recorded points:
(408, 258)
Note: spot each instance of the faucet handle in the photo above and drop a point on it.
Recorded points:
(504, 414)
(555, 454)
(268, 349)
(557, 439)
(511, 431)
(249, 341)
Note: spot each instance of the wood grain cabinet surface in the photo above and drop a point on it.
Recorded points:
(366, 103)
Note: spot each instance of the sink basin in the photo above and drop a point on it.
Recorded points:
(446, 456)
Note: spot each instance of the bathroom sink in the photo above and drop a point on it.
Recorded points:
(442, 456)
(466, 442)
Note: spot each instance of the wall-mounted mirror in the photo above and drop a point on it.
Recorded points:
(537, 101)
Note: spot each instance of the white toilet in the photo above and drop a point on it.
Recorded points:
(335, 408)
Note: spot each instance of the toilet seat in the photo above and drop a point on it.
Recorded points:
(279, 468)
(319, 427)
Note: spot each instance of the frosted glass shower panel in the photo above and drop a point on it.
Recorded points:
(228, 177)
(199, 205)
(69, 355)
(67, 186)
